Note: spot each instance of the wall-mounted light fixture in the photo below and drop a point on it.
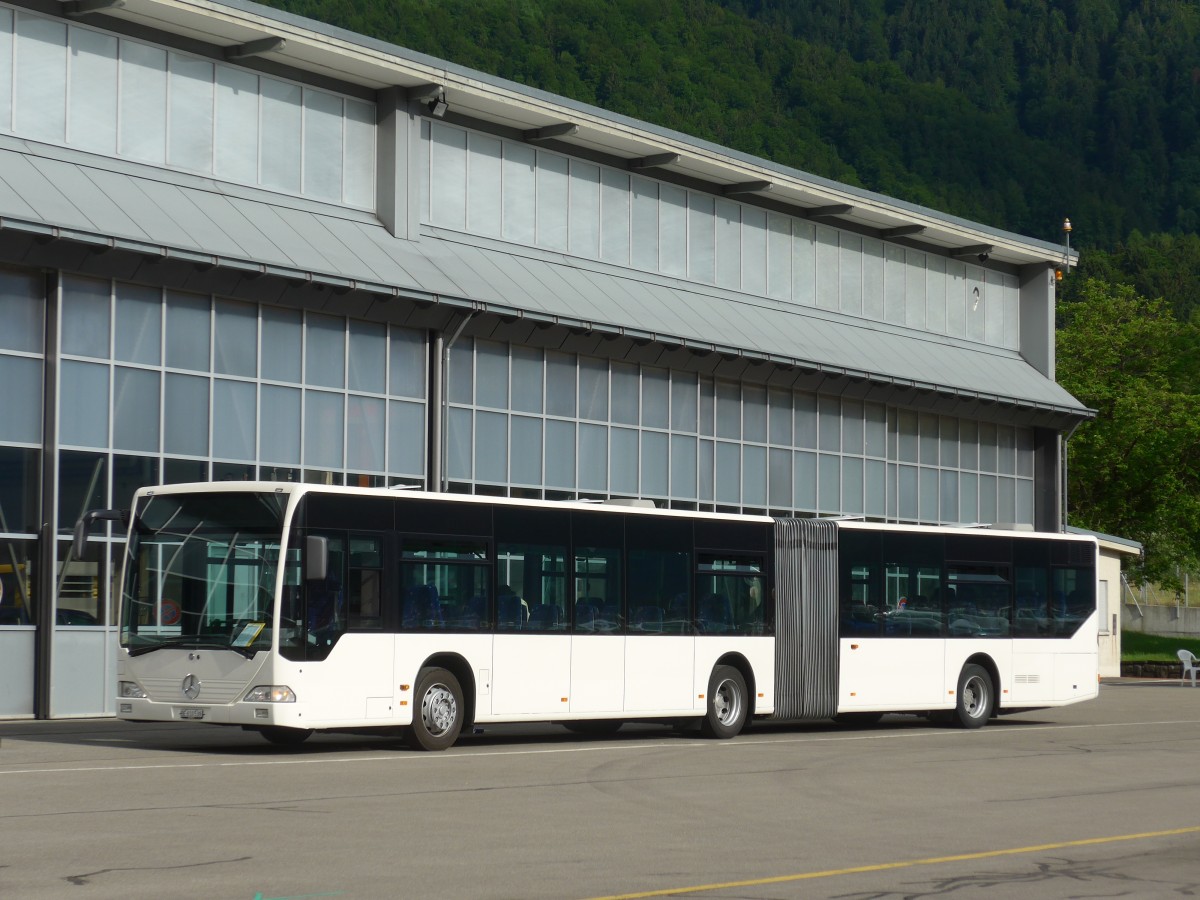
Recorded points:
(433, 96)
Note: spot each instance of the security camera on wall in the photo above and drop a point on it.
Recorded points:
(983, 257)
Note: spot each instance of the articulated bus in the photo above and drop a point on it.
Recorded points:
(289, 609)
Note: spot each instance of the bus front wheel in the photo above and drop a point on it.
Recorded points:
(728, 704)
(976, 697)
(438, 716)
(282, 736)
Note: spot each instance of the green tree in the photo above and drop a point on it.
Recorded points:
(1135, 470)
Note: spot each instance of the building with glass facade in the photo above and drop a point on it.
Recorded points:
(237, 244)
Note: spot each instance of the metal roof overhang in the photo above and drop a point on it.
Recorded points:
(473, 96)
(140, 223)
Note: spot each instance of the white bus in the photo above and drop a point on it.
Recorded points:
(289, 609)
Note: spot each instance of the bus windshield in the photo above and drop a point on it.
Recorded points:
(201, 571)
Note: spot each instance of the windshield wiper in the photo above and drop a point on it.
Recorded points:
(193, 643)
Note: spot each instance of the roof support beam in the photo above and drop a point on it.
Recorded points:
(83, 7)
(902, 231)
(550, 132)
(653, 161)
(979, 251)
(747, 187)
(253, 48)
(828, 212)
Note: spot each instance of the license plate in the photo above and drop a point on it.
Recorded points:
(191, 712)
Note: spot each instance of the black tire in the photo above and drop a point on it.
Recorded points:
(858, 719)
(286, 737)
(728, 704)
(438, 712)
(593, 727)
(976, 697)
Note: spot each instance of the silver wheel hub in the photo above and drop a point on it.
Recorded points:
(974, 697)
(438, 709)
(727, 702)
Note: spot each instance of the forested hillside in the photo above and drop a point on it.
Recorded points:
(1016, 113)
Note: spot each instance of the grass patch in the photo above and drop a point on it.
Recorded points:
(1140, 648)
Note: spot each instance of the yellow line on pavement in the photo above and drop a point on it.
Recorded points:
(880, 867)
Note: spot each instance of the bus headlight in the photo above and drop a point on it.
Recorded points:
(270, 693)
(130, 689)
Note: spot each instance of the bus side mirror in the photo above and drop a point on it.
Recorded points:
(316, 557)
(84, 525)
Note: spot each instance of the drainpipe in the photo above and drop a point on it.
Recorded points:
(1062, 495)
(439, 394)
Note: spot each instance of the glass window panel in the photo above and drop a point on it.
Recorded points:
(804, 264)
(708, 402)
(949, 497)
(367, 362)
(593, 458)
(527, 377)
(754, 250)
(928, 427)
(987, 447)
(706, 466)
(561, 373)
(994, 313)
(1006, 510)
(779, 404)
(323, 145)
(235, 338)
(654, 463)
(22, 309)
(187, 331)
(190, 123)
(673, 229)
(949, 441)
(1025, 452)
(872, 276)
(41, 84)
(806, 421)
(21, 420)
(358, 177)
(829, 488)
(623, 461)
(6, 61)
(935, 294)
(185, 416)
(956, 298)
(406, 363)
(852, 486)
(280, 425)
(850, 263)
(754, 476)
(729, 473)
(876, 430)
(461, 375)
(235, 414)
(282, 331)
(976, 304)
(829, 410)
(281, 134)
(485, 199)
(968, 442)
(458, 444)
(656, 387)
(325, 351)
(1005, 450)
(92, 102)
(491, 374)
(907, 487)
(324, 429)
(447, 176)
(729, 244)
(876, 496)
(779, 475)
(929, 494)
(684, 402)
(968, 498)
(683, 467)
(754, 413)
(143, 116)
(525, 450)
(828, 279)
(987, 498)
(519, 193)
(1025, 502)
(614, 216)
(83, 404)
(86, 312)
(593, 389)
(914, 289)
(82, 485)
(1011, 314)
(644, 252)
(779, 257)
(625, 393)
(406, 438)
(236, 126)
(893, 284)
(852, 427)
(560, 454)
(135, 409)
(365, 433)
(551, 201)
(907, 428)
(491, 447)
(584, 224)
(729, 410)
(701, 238)
(138, 335)
(19, 470)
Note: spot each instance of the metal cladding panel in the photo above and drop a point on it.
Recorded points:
(806, 618)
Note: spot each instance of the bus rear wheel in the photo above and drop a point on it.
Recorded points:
(438, 716)
(728, 704)
(976, 697)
